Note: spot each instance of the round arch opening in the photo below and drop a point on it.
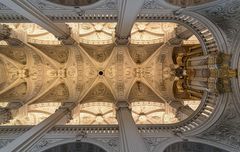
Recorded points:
(76, 147)
(186, 3)
(74, 2)
(192, 147)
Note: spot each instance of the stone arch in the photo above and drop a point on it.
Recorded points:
(192, 146)
(202, 28)
(105, 147)
(186, 3)
(74, 2)
(163, 146)
(235, 64)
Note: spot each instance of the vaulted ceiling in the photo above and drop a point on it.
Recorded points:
(94, 73)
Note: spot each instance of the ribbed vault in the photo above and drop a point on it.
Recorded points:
(101, 74)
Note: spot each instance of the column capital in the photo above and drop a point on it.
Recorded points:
(5, 32)
(122, 104)
(14, 105)
(68, 107)
(5, 115)
(122, 40)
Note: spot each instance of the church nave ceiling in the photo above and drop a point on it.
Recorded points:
(96, 73)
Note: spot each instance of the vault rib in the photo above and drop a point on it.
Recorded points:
(39, 52)
(46, 90)
(15, 63)
(152, 89)
(12, 85)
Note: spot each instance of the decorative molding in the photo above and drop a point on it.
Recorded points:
(226, 16)
(152, 4)
(4, 142)
(153, 142)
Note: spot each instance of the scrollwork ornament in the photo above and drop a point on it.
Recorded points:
(227, 130)
(43, 143)
(112, 142)
(153, 142)
(4, 142)
(109, 4)
(226, 15)
(152, 4)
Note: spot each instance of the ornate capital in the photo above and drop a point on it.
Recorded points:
(14, 105)
(122, 104)
(68, 106)
(5, 115)
(122, 40)
(5, 32)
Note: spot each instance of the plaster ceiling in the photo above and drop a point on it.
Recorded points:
(96, 75)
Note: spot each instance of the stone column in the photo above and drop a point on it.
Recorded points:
(26, 140)
(33, 14)
(130, 139)
(128, 11)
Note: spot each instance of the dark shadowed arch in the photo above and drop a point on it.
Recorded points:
(74, 2)
(76, 147)
(192, 147)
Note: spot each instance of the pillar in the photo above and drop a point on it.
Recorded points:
(130, 139)
(26, 140)
(128, 11)
(29, 11)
